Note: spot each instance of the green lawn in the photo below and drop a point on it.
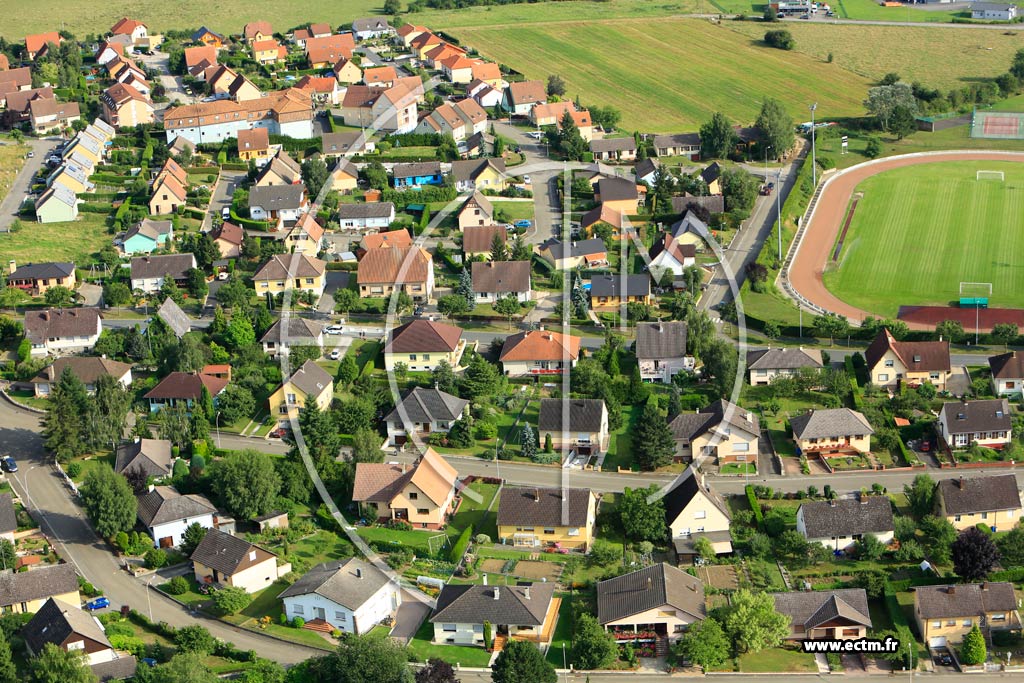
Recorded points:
(78, 241)
(620, 447)
(417, 540)
(266, 604)
(28, 398)
(777, 659)
(563, 634)
(475, 513)
(882, 264)
(514, 211)
(424, 649)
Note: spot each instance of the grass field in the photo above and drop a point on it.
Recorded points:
(919, 231)
(12, 158)
(661, 96)
(50, 242)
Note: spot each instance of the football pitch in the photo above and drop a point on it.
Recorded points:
(919, 231)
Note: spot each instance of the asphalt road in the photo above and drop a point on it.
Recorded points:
(222, 196)
(23, 181)
(41, 487)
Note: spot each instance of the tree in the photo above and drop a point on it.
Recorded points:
(720, 361)
(234, 403)
(56, 665)
(191, 537)
(974, 554)
(739, 189)
(314, 175)
(653, 443)
(519, 251)
(780, 39)
(704, 643)
(1005, 333)
(64, 427)
(348, 370)
(392, 8)
(950, 330)
(869, 547)
(375, 175)
(194, 639)
(569, 140)
(507, 306)
(717, 137)
(453, 304)
(447, 151)
(643, 519)
(521, 661)
(973, 649)
(592, 647)
(366, 446)
(579, 298)
(903, 121)
(247, 483)
(109, 501)
(920, 495)
(175, 425)
(436, 671)
(480, 378)
(528, 441)
(465, 287)
(775, 126)
(883, 99)
(498, 250)
(240, 333)
(362, 659)
(182, 667)
(197, 287)
(770, 14)
(8, 673)
(556, 86)
(443, 377)
(873, 148)
(771, 330)
(700, 332)
(345, 300)
(830, 325)
(1011, 547)
(753, 623)
(231, 599)
(939, 535)
(59, 297)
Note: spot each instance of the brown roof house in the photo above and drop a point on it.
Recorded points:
(527, 612)
(226, 560)
(254, 145)
(477, 240)
(519, 98)
(183, 388)
(422, 494)
(166, 514)
(945, 614)
(832, 432)
(839, 523)
(692, 511)
(124, 106)
(493, 280)
(722, 430)
(477, 210)
(149, 272)
(88, 369)
(151, 456)
(987, 423)
(1007, 373)
(586, 432)
(890, 362)
(423, 344)
(291, 272)
(385, 240)
(409, 269)
(25, 592)
(228, 238)
(825, 615)
(532, 517)
(423, 412)
(539, 352)
(992, 501)
(57, 331)
(657, 602)
(74, 630)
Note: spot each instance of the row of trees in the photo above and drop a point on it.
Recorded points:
(718, 138)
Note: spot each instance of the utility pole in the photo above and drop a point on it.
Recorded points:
(778, 209)
(814, 165)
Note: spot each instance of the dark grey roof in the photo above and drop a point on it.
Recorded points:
(548, 507)
(341, 143)
(688, 426)
(152, 456)
(116, 669)
(366, 210)
(846, 517)
(677, 140)
(965, 600)
(299, 331)
(277, 197)
(646, 167)
(991, 7)
(614, 284)
(41, 582)
(711, 173)
(58, 323)
(584, 414)
(468, 169)
(428, 405)
(647, 589)
(174, 317)
(423, 168)
(626, 144)
(311, 379)
(811, 609)
(501, 277)
(661, 340)
(150, 228)
(8, 517)
(226, 553)
(990, 415)
(348, 583)
(166, 265)
(371, 24)
(497, 604)
(34, 271)
(830, 423)
(56, 621)
(714, 203)
(479, 200)
(616, 189)
(560, 250)
(980, 494)
(163, 504)
(784, 358)
(686, 488)
(1007, 365)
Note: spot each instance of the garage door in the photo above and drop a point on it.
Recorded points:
(937, 641)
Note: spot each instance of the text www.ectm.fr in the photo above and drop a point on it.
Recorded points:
(872, 645)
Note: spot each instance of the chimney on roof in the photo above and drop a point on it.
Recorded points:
(526, 592)
(960, 483)
(359, 572)
(536, 495)
(14, 266)
(497, 595)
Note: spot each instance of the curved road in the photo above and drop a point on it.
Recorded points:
(814, 251)
(42, 489)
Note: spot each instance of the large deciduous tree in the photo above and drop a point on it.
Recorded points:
(521, 661)
(705, 644)
(642, 513)
(753, 623)
(109, 501)
(974, 554)
(883, 100)
(592, 647)
(775, 127)
(247, 483)
(717, 137)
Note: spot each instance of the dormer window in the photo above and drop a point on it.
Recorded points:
(917, 359)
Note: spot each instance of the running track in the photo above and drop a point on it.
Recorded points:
(805, 274)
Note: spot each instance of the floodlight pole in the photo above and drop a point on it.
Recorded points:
(814, 165)
(778, 209)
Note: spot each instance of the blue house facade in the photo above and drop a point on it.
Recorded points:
(147, 236)
(415, 176)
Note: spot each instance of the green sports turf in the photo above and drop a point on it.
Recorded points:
(919, 231)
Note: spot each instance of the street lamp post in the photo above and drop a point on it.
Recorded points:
(814, 167)
(778, 209)
(216, 423)
(766, 162)
(149, 599)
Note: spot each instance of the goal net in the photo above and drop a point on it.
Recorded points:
(989, 175)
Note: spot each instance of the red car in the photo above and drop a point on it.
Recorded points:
(278, 433)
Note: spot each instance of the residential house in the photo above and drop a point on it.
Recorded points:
(519, 98)
(422, 412)
(88, 370)
(620, 194)
(527, 613)
(840, 523)
(409, 32)
(764, 365)
(254, 145)
(125, 107)
(309, 385)
(168, 195)
(550, 113)
(19, 104)
(284, 112)
(72, 629)
(344, 176)
(591, 253)
(646, 171)
(347, 72)
(458, 68)
(660, 601)
(890, 362)
(832, 432)
(205, 36)
(472, 147)
(721, 430)
(229, 239)
(278, 203)
(460, 120)
(945, 614)
(8, 517)
(372, 27)
(199, 59)
(531, 517)
(281, 170)
(174, 318)
(386, 240)
(340, 145)
(841, 614)
(147, 236)
(351, 596)
(614, 149)
(380, 76)
(489, 73)
(487, 96)
(152, 457)
(226, 83)
(38, 43)
(678, 145)
(1007, 373)
(366, 216)
(296, 331)
(409, 269)
(477, 240)
(992, 501)
(57, 204)
(389, 109)
(257, 30)
(323, 52)
(71, 176)
(14, 80)
(479, 174)
(422, 344)
(47, 115)
(586, 432)
(225, 560)
(692, 511)
(712, 177)
(416, 175)
(291, 272)
(184, 389)
(26, 592)
(986, 423)
(997, 11)
(166, 514)
(493, 280)
(669, 255)
(477, 210)
(661, 350)
(423, 44)
(36, 278)
(58, 331)
(609, 292)
(539, 352)
(422, 494)
(108, 50)
(305, 237)
(149, 272)
(135, 30)
(322, 89)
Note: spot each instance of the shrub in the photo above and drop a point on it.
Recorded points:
(298, 622)
(155, 558)
(780, 39)
(459, 549)
(74, 470)
(176, 586)
(195, 639)
(231, 600)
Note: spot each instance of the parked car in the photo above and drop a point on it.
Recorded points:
(9, 464)
(223, 275)
(98, 603)
(334, 354)
(522, 223)
(277, 433)
(944, 659)
(334, 329)
(526, 180)
(535, 134)
(225, 213)
(31, 154)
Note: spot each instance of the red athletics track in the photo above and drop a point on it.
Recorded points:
(805, 273)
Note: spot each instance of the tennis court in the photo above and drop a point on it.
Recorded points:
(999, 125)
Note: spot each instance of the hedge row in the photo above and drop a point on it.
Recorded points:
(461, 545)
(95, 208)
(1012, 575)
(755, 506)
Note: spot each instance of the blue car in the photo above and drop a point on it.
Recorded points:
(148, 661)
(9, 465)
(522, 224)
(98, 603)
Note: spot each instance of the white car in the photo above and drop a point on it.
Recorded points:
(223, 275)
(526, 180)
(225, 213)
(535, 134)
(334, 329)
(335, 354)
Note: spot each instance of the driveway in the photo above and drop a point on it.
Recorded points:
(222, 195)
(23, 182)
(411, 614)
(547, 210)
(546, 302)
(173, 85)
(336, 279)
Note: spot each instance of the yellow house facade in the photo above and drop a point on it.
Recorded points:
(309, 385)
(992, 501)
(25, 595)
(422, 344)
(226, 560)
(530, 517)
(945, 614)
(285, 272)
(422, 494)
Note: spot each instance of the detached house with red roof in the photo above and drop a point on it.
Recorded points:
(37, 44)
(410, 269)
(891, 362)
(183, 388)
(422, 494)
(539, 352)
(125, 107)
(422, 344)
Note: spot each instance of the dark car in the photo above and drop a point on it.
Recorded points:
(9, 464)
(944, 659)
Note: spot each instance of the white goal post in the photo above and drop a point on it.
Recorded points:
(990, 175)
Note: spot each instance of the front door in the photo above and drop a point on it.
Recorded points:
(320, 613)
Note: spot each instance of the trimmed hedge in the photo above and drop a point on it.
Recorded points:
(461, 545)
(1012, 575)
(755, 506)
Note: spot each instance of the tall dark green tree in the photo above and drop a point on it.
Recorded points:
(65, 427)
(498, 250)
(247, 483)
(8, 672)
(465, 287)
(920, 495)
(57, 665)
(109, 501)
(642, 514)
(521, 661)
(775, 126)
(653, 444)
(314, 175)
(717, 137)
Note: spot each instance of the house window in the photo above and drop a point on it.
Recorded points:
(848, 632)
(297, 609)
(549, 531)
(950, 622)
(883, 377)
(448, 628)
(997, 617)
(422, 511)
(574, 531)
(412, 356)
(413, 495)
(478, 628)
(933, 375)
(967, 623)
(889, 363)
(1011, 385)
(984, 515)
(936, 624)
(77, 645)
(700, 514)
(956, 518)
(666, 613)
(340, 616)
